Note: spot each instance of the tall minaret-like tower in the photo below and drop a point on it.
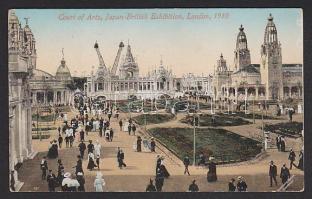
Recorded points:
(241, 53)
(271, 63)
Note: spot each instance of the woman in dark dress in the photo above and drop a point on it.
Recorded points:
(91, 163)
(139, 141)
(212, 173)
(53, 150)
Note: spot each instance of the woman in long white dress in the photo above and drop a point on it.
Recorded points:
(99, 182)
(97, 149)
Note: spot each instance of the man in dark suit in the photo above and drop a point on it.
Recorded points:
(44, 168)
(273, 173)
(291, 158)
(193, 187)
(51, 179)
(186, 163)
(284, 173)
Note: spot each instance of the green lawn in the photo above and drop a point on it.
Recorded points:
(220, 120)
(152, 118)
(225, 146)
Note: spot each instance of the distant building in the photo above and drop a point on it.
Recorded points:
(271, 80)
(106, 84)
(47, 89)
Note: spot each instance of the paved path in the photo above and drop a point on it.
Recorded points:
(141, 166)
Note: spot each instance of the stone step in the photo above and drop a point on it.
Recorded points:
(32, 155)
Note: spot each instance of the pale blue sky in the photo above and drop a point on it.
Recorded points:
(185, 45)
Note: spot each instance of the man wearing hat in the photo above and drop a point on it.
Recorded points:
(241, 184)
(82, 147)
(79, 165)
(186, 163)
(291, 158)
(193, 187)
(51, 179)
(284, 174)
(44, 168)
(90, 147)
(150, 187)
(232, 186)
(273, 173)
(81, 182)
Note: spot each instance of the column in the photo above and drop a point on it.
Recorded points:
(289, 91)
(257, 93)
(44, 97)
(246, 93)
(54, 97)
(61, 95)
(34, 98)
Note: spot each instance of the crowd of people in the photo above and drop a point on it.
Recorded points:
(80, 126)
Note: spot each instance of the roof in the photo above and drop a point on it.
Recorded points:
(249, 69)
(40, 74)
(62, 69)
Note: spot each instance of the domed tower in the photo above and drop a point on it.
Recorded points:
(129, 69)
(221, 64)
(271, 62)
(63, 73)
(241, 53)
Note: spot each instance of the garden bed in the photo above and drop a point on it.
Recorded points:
(152, 118)
(43, 118)
(225, 146)
(250, 116)
(220, 120)
(290, 129)
(43, 136)
(44, 129)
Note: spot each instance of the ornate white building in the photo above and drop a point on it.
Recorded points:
(106, 84)
(271, 80)
(47, 89)
(22, 61)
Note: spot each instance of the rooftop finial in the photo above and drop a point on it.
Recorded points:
(161, 61)
(63, 53)
(241, 28)
(270, 18)
(26, 19)
(221, 55)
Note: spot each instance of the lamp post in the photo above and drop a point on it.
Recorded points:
(253, 109)
(194, 135)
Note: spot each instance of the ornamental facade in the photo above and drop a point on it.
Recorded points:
(22, 60)
(108, 85)
(269, 80)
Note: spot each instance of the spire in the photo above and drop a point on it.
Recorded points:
(270, 18)
(161, 61)
(63, 60)
(270, 34)
(241, 28)
(26, 20)
(241, 41)
(129, 57)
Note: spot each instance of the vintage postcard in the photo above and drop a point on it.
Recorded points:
(156, 100)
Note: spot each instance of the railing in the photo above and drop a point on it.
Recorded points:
(286, 184)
